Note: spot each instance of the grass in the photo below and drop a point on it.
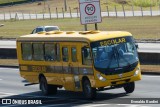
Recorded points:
(146, 3)
(11, 62)
(10, 1)
(150, 68)
(140, 27)
(73, 4)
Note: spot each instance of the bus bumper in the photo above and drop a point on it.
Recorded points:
(118, 81)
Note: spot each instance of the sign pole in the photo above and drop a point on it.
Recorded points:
(96, 26)
(85, 27)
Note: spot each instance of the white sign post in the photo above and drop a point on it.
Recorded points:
(90, 11)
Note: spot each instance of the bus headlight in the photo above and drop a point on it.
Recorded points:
(137, 71)
(100, 77)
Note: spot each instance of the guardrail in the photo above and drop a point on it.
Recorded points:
(149, 58)
(145, 58)
(8, 53)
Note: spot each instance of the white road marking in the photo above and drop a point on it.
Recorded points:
(7, 93)
(9, 68)
(151, 76)
(9, 105)
(132, 105)
(95, 105)
(38, 96)
(60, 104)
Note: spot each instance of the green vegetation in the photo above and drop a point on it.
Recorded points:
(9, 1)
(146, 3)
(12, 2)
(150, 68)
(140, 27)
(42, 5)
(10, 62)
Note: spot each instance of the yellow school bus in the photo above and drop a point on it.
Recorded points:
(86, 61)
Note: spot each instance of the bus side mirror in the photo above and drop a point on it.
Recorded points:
(136, 46)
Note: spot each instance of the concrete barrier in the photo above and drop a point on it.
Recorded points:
(8, 53)
(149, 58)
(145, 58)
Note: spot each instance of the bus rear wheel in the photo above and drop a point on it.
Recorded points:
(129, 87)
(89, 92)
(46, 88)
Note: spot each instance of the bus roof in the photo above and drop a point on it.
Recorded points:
(81, 36)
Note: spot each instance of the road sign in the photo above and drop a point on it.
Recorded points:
(90, 11)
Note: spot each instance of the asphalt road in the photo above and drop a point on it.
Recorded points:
(12, 86)
(143, 47)
(74, 15)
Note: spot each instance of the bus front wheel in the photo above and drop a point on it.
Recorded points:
(89, 92)
(129, 87)
(46, 88)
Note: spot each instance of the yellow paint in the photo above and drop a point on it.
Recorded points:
(24, 68)
(70, 39)
(113, 41)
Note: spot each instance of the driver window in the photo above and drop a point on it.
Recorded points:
(86, 56)
(50, 54)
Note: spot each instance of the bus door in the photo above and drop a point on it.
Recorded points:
(70, 68)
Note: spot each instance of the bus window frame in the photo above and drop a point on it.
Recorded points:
(76, 59)
(63, 55)
(58, 52)
(82, 56)
(22, 53)
(43, 59)
(55, 50)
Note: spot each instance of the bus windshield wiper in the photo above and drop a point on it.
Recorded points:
(112, 57)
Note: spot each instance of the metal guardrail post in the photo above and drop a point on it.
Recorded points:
(123, 11)
(133, 10)
(142, 11)
(63, 12)
(57, 12)
(151, 9)
(116, 11)
(23, 15)
(70, 12)
(36, 15)
(10, 15)
(107, 10)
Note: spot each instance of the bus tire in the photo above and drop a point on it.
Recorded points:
(89, 92)
(46, 88)
(129, 87)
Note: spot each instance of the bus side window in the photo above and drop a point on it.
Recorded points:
(50, 54)
(38, 53)
(26, 51)
(65, 54)
(74, 54)
(86, 56)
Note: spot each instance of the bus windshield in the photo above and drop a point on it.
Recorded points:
(115, 56)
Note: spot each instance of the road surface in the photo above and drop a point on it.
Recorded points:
(12, 86)
(143, 47)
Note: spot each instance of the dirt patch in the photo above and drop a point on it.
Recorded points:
(150, 68)
(121, 1)
(10, 62)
